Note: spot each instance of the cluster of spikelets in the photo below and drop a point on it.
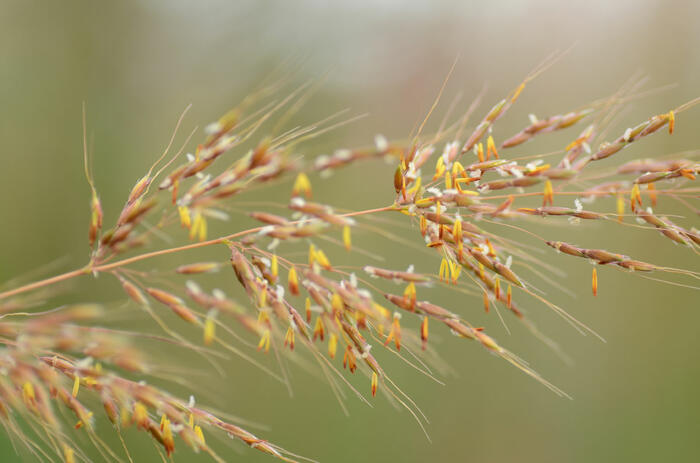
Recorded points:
(60, 359)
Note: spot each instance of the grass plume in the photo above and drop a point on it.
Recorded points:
(451, 192)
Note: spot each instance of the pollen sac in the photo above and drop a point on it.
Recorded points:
(302, 185)
(293, 281)
(595, 282)
(374, 383)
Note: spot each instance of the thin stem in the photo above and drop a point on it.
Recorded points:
(120, 263)
(46, 282)
(590, 193)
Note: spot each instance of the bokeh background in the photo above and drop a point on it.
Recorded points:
(138, 64)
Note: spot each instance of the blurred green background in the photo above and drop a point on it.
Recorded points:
(138, 64)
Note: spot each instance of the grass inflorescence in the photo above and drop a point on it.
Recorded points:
(66, 359)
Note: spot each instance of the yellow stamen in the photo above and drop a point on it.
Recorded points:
(439, 168)
(302, 185)
(28, 392)
(635, 197)
(416, 186)
(491, 148)
(337, 303)
(332, 345)
(442, 274)
(458, 169)
(140, 416)
(289, 337)
(319, 329)
(410, 294)
(346, 237)
(263, 317)
(274, 266)
(262, 296)
(455, 270)
(395, 332)
(264, 343)
(168, 440)
(293, 281)
(76, 385)
(652, 193)
(209, 327)
(200, 435)
(620, 207)
(424, 332)
(68, 454)
(548, 197)
(323, 260)
(184, 216)
(203, 230)
(595, 282)
(312, 255)
(492, 251)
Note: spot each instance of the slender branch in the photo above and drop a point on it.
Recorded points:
(102, 268)
(46, 282)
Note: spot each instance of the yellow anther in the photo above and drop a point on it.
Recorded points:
(264, 343)
(416, 186)
(274, 266)
(346, 237)
(302, 185)
(620, 207)
(337, 303)
(209, 327)
(480, 152)
(76, 385)
(28, 392)
(548, 196)
(439, 168)
(293, 281)
(443, 273)
(410, 294)
(323, 260)
(289, 337)
(200, 435)
(332, 345)
(312, 255)
(68, 454)
(491, 148)
(184, 216)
